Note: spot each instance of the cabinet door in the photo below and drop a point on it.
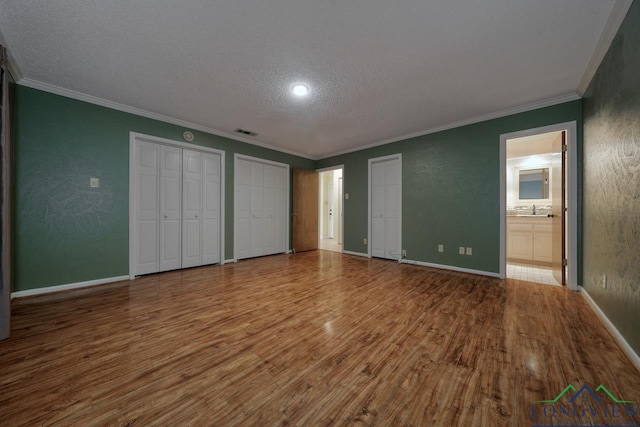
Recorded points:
(170, 208)
(542, 246)
(520, 245)
(192, 209)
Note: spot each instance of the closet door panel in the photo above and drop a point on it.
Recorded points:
(170, 208)
(211, 209)
(392, 209)
(257, 229)
(280, 214)
(192, 208)
(269, 209)
(378, 210)
(146, 209)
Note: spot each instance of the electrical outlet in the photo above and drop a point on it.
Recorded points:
(604, 281)
(440, 248)
(404, 253)
(94, 182)
(461, 250)
(364, 241)
(346, 196)
(469, 251)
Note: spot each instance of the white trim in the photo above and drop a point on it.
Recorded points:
(477, 119)
(635, 359)
(355, 253)
(46, 87)
(451, 268)
(287, 211)
(397, 156)
(58, 288)
(135, 136)
(331, 168)
(229, 261)
(616, 18)
(572, 196)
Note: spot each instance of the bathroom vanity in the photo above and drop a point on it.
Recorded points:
(529, 239)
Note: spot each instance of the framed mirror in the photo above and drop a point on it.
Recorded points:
(533, 184)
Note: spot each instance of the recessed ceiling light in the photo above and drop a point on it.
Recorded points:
(300, 89)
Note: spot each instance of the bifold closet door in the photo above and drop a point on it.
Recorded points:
(385, 209)
(170, 208)
(260, 208)
(201, 208)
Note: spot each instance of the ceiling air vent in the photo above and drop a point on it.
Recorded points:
(245, 132)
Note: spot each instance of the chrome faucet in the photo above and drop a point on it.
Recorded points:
(534, 209)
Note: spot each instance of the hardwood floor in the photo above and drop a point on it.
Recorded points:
(316, 338)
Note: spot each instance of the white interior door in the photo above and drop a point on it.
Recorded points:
(385, 204)
(192, 209)
(280, 211)
(269, 209)
(210, 209)
(170, 208)
(146, 207)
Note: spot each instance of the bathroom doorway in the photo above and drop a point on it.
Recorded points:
(537, 195)
(330, 226)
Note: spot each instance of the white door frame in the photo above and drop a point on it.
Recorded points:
(397, 156)
(287, 211)
(133, 138)
(571, 242)
(328, 169)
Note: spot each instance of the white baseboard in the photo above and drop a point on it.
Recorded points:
(228, 261)
(58, 288)
(451, 267)
(635, 359)
(355, 253)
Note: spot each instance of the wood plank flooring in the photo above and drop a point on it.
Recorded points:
(316, 338)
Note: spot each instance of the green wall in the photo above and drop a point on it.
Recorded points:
(450, 188)
(64, 231)
(612, 181)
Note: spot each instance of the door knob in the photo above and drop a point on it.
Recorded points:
(196, 216)
(166, 216)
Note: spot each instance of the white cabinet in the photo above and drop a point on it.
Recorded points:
(529, 239)
(177, 199)
(261, 204)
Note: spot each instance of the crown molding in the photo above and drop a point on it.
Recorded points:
(616, 18)
(57, 90)
(477, 119)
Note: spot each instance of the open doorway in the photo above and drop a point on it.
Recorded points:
(538, 218)
(330, 225)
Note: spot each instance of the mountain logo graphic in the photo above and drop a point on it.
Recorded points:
(586, 389)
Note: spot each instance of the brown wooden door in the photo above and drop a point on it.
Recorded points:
(305, 210)
(558, 204)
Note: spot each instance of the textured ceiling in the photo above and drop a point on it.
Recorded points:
(378, 69)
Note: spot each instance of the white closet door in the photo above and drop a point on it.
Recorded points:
(210, 209)
(242, 209)
(170, 208)
(378, 179)
(257, 229)
(269, 209)
(392, 209)
(280, 211)
(146, 207)
(192, 209)
(386, 214)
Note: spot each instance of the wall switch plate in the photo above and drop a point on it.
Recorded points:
(364, 241)
(94, 182)
(604, 281)
(440, 248)
(346, 196)
(461, 250)
(469, 251)
(404, 253)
